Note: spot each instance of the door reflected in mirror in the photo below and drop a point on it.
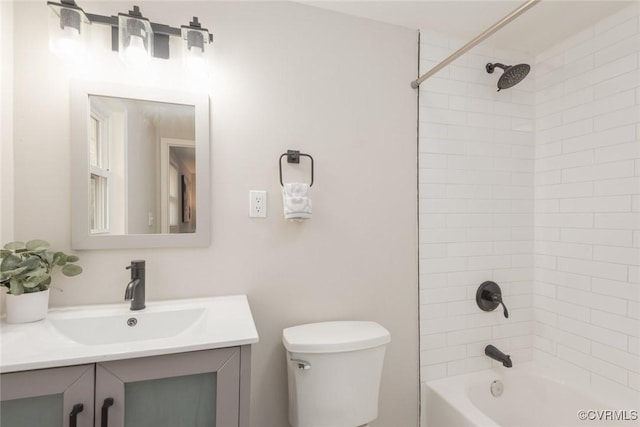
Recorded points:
(142, 166)
(139, 167)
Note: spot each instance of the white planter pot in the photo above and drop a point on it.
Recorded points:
(26, 307)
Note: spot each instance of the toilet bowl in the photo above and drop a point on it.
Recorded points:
(334, 371)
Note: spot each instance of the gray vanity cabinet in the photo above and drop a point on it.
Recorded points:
(208, 388)
(56, 397)
(198, 389)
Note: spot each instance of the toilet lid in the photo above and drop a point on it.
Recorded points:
(334, 337)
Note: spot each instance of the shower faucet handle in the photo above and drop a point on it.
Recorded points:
(498, 298)
(489, 296)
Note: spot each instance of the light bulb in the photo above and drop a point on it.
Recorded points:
(195, 58)
(196, 66)
(67, 43)
(135, 53)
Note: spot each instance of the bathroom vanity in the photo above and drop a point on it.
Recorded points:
(182, 362)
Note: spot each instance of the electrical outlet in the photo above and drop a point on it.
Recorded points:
(257, 204)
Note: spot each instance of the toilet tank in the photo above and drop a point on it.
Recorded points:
(334, 371)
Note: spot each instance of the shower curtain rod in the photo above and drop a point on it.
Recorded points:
(489, 31)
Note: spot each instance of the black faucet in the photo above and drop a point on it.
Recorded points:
(496, 354)
(135, 288)
(489, 296)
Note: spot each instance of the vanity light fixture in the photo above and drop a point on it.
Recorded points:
(133, 35)
(194, 39)
(67, 28)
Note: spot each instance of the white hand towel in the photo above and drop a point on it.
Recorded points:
(296, 201)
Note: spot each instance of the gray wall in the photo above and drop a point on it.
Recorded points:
(284, 76)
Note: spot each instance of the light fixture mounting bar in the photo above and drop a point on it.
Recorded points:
(101, 19)
(160, 32)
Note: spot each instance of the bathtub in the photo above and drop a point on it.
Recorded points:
(531, 397)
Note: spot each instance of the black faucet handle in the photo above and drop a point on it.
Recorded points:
(137, 268)
(498, 298)
(489, 296)
(504, 310)
(137, 264)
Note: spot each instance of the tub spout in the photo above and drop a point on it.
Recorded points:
(507, 362)
(496, 354)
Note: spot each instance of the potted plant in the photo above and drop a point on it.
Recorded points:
(26, 270)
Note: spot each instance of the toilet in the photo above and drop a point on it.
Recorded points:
(334, 371)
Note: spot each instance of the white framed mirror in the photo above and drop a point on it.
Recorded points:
(139, 167)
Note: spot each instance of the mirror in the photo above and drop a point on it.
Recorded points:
(140, 167)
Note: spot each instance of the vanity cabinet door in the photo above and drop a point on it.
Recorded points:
(197, 389)
(57, 397)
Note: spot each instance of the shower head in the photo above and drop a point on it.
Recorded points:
(513, 74)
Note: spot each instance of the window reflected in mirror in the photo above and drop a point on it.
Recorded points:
(99, 176)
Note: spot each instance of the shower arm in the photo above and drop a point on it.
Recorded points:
(488, 32)
(490, 67)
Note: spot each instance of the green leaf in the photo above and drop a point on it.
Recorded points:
(31, 263)
(12, 246)
(72, 258)
(49, 258)
(59, 258)
(39, 271)
(15, 287)
(37, 245)
(34, 281)
(71, 270)
(10, 263)
(14, 273)
(5, 253)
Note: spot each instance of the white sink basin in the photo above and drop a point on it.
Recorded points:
(109, 326)
(96, 333)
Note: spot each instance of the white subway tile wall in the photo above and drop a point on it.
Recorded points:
(537, 188)
(476, 178)
(587, 291)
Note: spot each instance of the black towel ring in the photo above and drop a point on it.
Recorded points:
(293, 156)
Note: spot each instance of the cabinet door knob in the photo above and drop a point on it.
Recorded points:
(104, 418)
(73, 415)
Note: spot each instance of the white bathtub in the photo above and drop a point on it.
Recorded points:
(532, 397)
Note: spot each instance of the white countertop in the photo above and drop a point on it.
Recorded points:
(226, 322)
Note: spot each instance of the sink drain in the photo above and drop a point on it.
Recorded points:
(132, 321)
(497, 388)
